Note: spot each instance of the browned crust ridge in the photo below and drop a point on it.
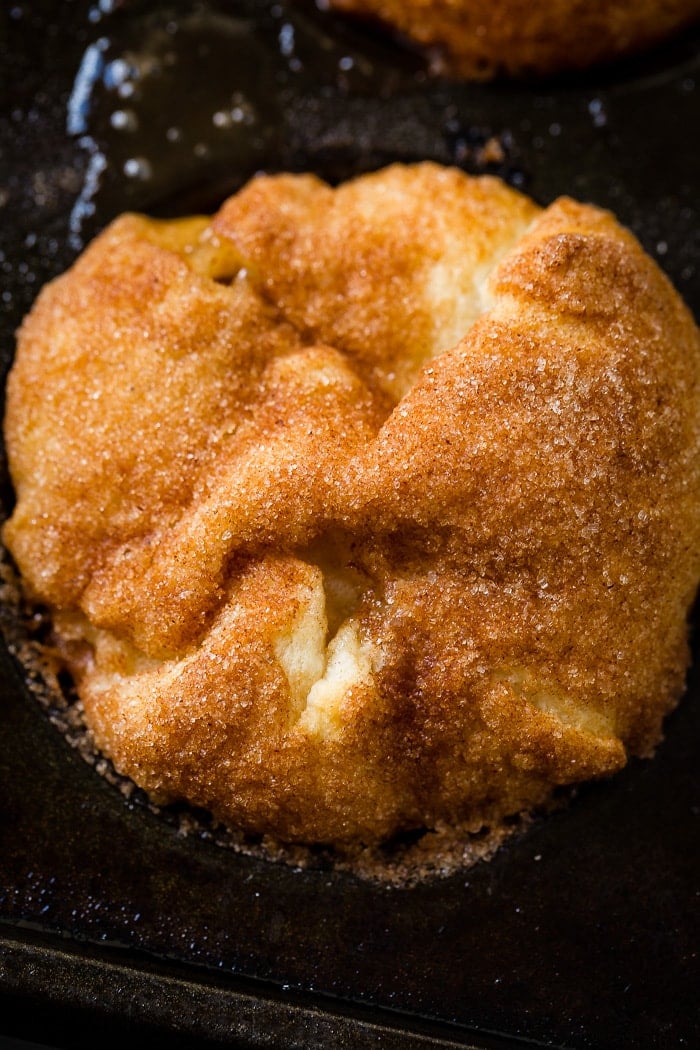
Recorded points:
(478, 39)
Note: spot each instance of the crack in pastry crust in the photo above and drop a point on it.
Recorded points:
(356, 508)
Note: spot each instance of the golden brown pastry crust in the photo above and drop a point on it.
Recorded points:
(366, 509)
(477, 39)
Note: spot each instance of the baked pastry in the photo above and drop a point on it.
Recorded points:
(365, 509)
(479, 38)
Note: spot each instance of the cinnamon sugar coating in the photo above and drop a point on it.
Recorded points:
(366, 509)
(477, 39)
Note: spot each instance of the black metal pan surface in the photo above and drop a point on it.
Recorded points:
(583, 931)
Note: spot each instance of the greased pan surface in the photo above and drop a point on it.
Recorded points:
(581, 932)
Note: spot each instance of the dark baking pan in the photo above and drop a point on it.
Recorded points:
(583, 930)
